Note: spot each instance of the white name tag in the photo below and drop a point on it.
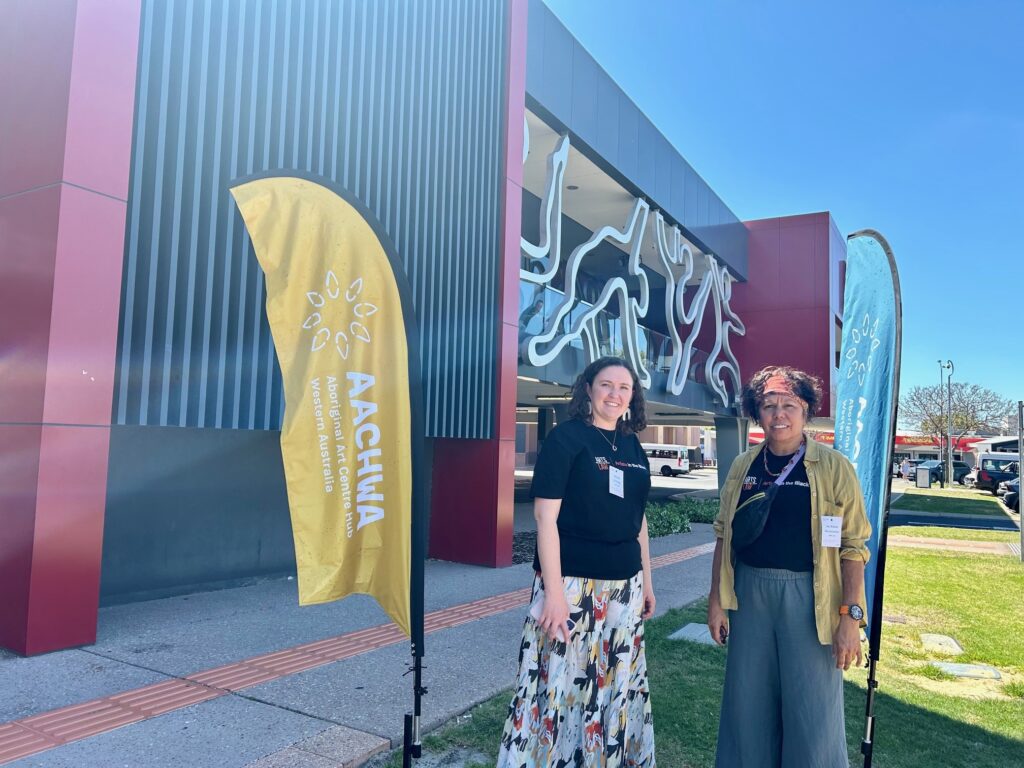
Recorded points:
(831, 531)
(616, 482)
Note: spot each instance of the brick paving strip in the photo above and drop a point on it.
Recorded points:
(44, 731)
(952, 545)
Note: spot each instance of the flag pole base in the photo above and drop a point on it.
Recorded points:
(407, 750)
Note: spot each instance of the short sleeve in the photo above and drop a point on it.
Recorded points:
(551, 474)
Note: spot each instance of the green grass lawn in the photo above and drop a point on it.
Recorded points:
(949, 501)
(959, 534)
(922, 718)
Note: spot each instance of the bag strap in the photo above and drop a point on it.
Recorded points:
(792, 463)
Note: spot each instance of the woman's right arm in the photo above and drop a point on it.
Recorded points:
(555, 616)
(718, 619)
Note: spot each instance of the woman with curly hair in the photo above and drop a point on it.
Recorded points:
(581, 696)
(789, 569)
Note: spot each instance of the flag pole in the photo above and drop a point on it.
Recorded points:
(412, 746)
(867, 745)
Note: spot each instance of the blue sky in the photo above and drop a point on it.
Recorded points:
(903, 117)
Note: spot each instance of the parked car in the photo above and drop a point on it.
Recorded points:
(1012, 496)
(937, 471)
(994, 468)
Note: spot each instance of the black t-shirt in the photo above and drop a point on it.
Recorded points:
(785, 541)
(597, 530)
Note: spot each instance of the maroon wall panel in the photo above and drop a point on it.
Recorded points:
(19, 472)
(785, 303)
(68, 538)
(101, 105)
(86, 303)
(36, 44)
(28, 248)
(462, 514)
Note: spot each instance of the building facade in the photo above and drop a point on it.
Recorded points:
(541, 218)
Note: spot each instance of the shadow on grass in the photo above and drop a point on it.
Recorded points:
(908, 734)
(686, 687)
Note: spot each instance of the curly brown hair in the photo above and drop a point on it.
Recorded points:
(579, 405)
(805, 386)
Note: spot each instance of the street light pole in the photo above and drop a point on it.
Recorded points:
(949, 424)
(939, 425)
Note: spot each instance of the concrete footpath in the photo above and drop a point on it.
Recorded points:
(245, 677)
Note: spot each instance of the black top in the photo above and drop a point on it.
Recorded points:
(785, 541)
(597, 530)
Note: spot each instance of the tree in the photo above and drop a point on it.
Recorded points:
(975, 409)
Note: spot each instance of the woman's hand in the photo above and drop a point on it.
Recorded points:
(649, 601)
(554, 618)
(718, 621)
(846, 643)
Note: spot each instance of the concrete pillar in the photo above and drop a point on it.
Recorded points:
(731, 435)
(68, 100)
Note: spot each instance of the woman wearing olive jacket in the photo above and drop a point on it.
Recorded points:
(794, 591)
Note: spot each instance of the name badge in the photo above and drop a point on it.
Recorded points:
(616, 482)
(831, 531)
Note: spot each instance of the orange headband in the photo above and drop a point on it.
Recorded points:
(779, 385)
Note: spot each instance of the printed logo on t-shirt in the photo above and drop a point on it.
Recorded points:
(629, 465)
(603, 464)
(749, 482)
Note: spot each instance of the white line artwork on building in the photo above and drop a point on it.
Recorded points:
(573, 321)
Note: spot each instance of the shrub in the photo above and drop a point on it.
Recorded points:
(667, 517)
(700, 510)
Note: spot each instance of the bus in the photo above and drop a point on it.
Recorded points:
(667, 460)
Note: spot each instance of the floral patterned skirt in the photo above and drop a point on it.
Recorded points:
(585, 702)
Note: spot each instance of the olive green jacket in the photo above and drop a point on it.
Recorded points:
(835, 490)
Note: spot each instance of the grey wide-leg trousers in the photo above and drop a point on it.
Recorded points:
(782, 706)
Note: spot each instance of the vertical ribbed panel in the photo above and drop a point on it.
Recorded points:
(398, 101)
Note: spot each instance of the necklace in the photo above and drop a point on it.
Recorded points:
(610, 442)
(764, 460)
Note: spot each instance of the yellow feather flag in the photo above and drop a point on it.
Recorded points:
(336, 316)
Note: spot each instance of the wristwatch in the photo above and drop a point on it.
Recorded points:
(852, 610)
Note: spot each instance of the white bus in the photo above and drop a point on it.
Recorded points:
(667, 460)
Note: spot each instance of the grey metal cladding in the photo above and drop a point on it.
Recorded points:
(560, 76)
(399, 101)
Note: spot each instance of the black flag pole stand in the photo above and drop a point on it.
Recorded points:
(867, 745)
(412, 747)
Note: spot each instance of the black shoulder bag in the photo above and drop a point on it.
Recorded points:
(751, 516)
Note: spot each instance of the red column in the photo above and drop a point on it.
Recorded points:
(67, 100)
(472, 511)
